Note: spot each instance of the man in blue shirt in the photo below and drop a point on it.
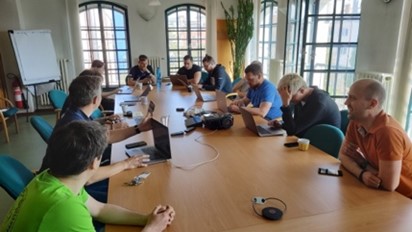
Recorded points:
(262, 95)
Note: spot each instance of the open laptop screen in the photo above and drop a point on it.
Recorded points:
(161, 138)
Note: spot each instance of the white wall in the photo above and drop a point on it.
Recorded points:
(378, 35)
(383, 35)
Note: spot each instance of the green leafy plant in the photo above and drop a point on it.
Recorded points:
(240, 31)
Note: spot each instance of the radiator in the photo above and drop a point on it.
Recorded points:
(154, 62)
(43, 100)
(385, 79)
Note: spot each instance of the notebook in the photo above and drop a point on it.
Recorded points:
(161, 151)
(221, 101)
(203, 98)
(132, 98)
(179, 80)
(260, 130)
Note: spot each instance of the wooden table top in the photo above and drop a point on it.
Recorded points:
(217, 196)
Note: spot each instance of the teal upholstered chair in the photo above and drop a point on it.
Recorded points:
(344, 120)
(14, 176)
(57, 99)
(42, 127)
(97, 114)
(204, 77)
(326, 137)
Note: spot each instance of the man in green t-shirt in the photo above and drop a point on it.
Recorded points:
(55, 200)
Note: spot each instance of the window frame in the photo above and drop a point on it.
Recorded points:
(202, 50)
(271, 42)
(117, 71)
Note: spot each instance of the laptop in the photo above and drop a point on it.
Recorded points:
(221, 101)
(203, 98)
(161, 151)
(126, 90)
(261, 130)
(179, 80)
(132, 98)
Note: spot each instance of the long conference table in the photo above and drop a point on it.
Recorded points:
(217, 196)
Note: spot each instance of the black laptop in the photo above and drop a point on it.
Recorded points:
(161, 151)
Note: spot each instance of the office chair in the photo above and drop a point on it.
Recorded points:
(344, 120)
(7, 113)
(57, 99)
(14, 176)
(42, 127)
(326, 137)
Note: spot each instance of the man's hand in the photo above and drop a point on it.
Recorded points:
(285, 94)
(351, 150)
(136, 161)
(146, 125)
(370, 180)
(234, 108)
(159, 219)
(275, 124)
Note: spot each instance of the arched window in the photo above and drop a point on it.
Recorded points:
(267, 33)
(186, 34)
(105, 36)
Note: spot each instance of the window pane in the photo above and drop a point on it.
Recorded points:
(339, 83)
(343, 57)
(346, 30)
(317, 58)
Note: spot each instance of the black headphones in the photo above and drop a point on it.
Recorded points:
(270, 213)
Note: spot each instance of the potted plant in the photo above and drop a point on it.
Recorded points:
(240, 31)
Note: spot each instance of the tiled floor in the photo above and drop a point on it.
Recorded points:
(27, 147)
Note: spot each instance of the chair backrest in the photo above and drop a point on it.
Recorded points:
(344, 120)
(14, 176)
(326, 137)
(57, 98)
(204, 76)
(97, 114)
(42, 127)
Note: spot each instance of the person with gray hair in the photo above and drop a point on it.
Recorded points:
(311, 106)
(376, 149)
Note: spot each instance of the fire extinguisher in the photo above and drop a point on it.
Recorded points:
(17, 94)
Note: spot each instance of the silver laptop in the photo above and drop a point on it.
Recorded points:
(204, 97)
(261, 130)
(179, 80)
(221, 101)
(132, 98)
(161, 151)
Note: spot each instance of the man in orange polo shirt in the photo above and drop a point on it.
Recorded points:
(376, 148)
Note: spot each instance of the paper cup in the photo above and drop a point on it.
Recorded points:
(303, 144)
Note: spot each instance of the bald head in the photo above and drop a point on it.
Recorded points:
(370, 89)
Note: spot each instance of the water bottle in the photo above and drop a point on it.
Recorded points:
(158, 76)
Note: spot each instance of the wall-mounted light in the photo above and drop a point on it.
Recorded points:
(154, 3)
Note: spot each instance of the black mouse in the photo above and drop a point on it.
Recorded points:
(272, 213)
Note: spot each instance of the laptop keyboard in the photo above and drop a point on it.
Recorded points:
(152, 151)
(262, 130)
